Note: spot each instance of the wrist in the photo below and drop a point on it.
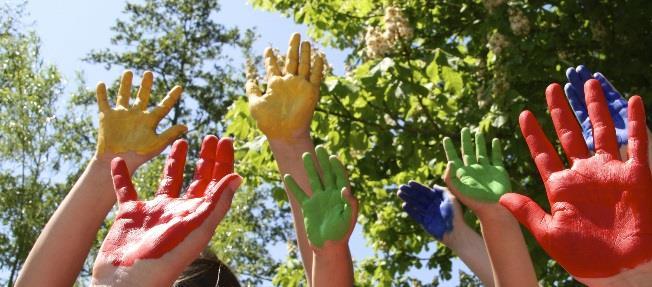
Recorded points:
(287, 143)
(458, 238)
(639, 276)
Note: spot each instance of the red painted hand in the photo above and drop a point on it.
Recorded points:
(600, 222)
(168, 223)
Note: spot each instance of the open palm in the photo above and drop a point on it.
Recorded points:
(476, 177)
(132, 128)
(330, 213)
(599, 207)
(286, 108)
(169, 223)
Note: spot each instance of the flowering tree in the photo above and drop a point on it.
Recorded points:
(417, 72)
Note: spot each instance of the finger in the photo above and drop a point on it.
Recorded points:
(324, 163)
(102, 100)
(451, 154)
(169, 135)
(124, 92)
(317, 70)
(576, 84)
(304, 64)
(222, 191)
(144, 91)
(419, 188)
(496, 152)
(294, 188)
(352, 203)
(481, 149)
(567, 128)
(271, 64)
(544, 155)
(527, 212)
(579, 107)
(224, 158)
(167, 103)
(584, 73)
(450, 177)
(604, 132)
(173, 170)
(252, 88)
(609, 90)
(292, 59)
(414, 212)
(341, 179)
(203, 168)
(124, 188)
(468, 155)
(637, 145)
(313, 176)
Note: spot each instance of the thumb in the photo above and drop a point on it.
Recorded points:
(169, 135)
(527, 212)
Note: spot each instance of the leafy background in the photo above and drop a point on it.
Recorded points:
(465, 63)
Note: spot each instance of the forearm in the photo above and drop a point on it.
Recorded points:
(470, 248)
(288, 158)
(61, 248)
(507, 251)
(332, 266)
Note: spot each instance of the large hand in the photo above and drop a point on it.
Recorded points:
(167, 232)
(285, 110)
(130, 131)
(331, 212)
(600, 222)
(430, 207)
(476, 177)
(616, 103)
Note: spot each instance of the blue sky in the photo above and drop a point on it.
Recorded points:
(72, 28)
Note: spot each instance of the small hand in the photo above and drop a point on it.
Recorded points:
(616, 103)
(130, 131)
(430, 207)
(599, 206)
(476, 178)
(144, 233)
(331, 212)
(285, 110)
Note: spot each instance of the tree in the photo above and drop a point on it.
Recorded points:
(418, 71)
(32, 151)
(182, 43)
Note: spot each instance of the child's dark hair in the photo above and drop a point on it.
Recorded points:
(207, 271)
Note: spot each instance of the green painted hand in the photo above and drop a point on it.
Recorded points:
(330, 213)
(476, 177)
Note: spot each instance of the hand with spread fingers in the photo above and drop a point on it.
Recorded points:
(478, 183)
(476, 177)
(331, 212)
(600, 205)
(130, 130)
(285, 110)
(166, 233)
(616, 103)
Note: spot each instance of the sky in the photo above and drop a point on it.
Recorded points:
(70, 29)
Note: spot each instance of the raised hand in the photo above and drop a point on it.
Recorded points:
(600, 222)
(331, 212)
(476, 177)
(616, 103)
(432, 208)
(285, 110)
(132, 128)
(167, 232)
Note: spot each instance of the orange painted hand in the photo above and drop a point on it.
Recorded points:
(285, 110)
(132, 128)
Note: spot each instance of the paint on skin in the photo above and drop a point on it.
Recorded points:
(600, 222)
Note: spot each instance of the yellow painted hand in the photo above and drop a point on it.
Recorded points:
(285, 110)
(126, 128)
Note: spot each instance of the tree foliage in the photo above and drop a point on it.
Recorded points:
(463, 63)
(33, 152)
